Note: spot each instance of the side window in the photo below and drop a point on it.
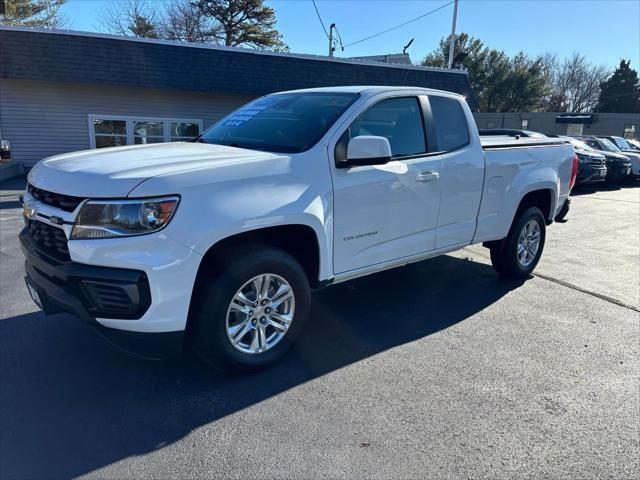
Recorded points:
(399, 120)
(451, 127)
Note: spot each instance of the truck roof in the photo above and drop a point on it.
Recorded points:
(370, 89)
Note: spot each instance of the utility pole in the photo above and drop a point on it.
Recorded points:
(452, 39)
(331, 47)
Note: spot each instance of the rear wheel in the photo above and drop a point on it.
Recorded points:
(248, 315)
(518, 254)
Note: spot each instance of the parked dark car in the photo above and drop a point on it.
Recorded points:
(618, 165)
(592, 167)
(510, 132)
(606, 145)
(620, 142)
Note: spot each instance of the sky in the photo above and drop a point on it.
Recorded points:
(603, 30)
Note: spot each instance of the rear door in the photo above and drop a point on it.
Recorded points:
(462, 171)
(386, 212)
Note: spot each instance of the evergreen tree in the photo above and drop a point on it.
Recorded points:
(243, 22)
(33, 13)
(621, 92)
(500, 83)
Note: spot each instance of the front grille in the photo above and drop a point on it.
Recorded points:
(50, 239)
(58, 200)
(596, 162)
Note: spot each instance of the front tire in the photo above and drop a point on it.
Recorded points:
(248, 315)
(518, 254)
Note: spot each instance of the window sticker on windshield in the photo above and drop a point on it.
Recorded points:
(236, 120)
(249, 112)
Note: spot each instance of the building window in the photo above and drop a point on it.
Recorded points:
(181, 131)
(491, 124)
(574, 128)
(113, 131)
(148, 132)
(109, 133)
(525, 124)
(629, 131)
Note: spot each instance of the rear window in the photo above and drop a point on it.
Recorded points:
(452, 131)
(283, 123)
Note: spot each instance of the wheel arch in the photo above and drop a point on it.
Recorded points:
(543, 198)
(299, 240)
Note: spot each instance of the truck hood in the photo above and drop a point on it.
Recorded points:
(114, 172)
(589, 153)
(613, 155)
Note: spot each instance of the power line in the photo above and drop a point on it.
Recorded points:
(398, 26)
(320, 18)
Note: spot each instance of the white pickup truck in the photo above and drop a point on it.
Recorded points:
(221, 239)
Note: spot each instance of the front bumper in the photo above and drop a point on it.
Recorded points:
(90, 292)
(618, 170)
(591, 174)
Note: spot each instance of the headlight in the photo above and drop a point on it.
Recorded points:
(122, 218)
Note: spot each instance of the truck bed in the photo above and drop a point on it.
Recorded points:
(503, 141)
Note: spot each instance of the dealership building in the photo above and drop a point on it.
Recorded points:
(625, 125)
(62, 91)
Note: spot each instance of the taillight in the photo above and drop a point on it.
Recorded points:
(574, 172)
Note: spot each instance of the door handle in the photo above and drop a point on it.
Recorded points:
(427, 176)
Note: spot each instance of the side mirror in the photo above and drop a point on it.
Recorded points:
(367, 150)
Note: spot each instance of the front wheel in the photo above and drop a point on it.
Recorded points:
(518, 254)
(249, 314)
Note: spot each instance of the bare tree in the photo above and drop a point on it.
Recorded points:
(34, 13)
(575, 83)
(186, 23)
(138, 18)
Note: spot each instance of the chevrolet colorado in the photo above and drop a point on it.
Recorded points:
(221, 239)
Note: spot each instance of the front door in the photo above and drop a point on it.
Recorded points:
(386, 212)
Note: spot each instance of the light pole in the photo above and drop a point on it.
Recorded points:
(452, 39)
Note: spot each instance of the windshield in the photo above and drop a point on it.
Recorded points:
(621, 143)
(580, 145)
(285, 123)
(608, 145)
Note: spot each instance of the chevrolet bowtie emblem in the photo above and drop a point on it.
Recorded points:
(29, 211)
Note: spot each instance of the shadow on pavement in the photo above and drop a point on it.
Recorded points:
(587, 189)
(70, 405)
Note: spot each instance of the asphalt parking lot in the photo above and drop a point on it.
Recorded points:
(439, 369)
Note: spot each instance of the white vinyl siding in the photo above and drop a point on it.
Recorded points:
(41, 119)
